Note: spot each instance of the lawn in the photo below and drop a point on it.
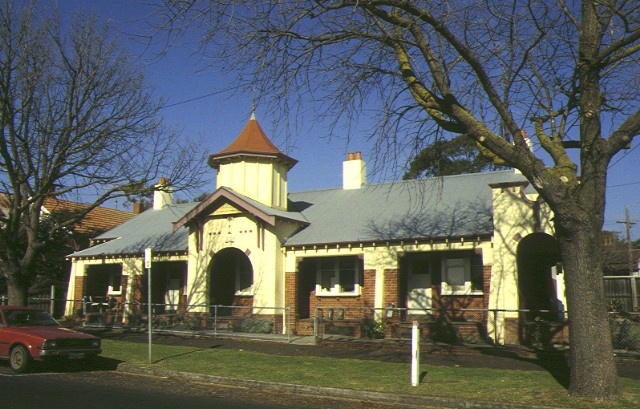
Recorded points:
(507, 386)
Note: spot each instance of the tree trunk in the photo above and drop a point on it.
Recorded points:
(17, 291)
(593, 367)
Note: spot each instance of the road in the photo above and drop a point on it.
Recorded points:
(101, 387)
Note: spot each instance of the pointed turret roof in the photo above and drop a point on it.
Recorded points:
(252, 142)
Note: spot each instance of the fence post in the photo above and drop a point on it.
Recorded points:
(315, 324)
(634, 293)
(215, 320)
(52, 302)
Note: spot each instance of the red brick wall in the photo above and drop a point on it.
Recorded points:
(290, 293)
(79, 292)
(366, 299)
(369, 288)
(391, 287)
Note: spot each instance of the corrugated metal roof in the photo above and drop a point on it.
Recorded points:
(152, 228)
(450, 206)
(446, 207)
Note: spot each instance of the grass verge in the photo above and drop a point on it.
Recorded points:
(479, 384)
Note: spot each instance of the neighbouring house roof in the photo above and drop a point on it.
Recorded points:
(441, 207)
(151, 228)
(252, 141)
(99, 219)
(445, 207)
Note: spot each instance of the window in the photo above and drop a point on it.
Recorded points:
(338, 276)
(115, 284)
(462, 275)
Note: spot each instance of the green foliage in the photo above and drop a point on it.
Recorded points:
(455, 156)
(372, 328)
(256, 326)
(179, 321)
(624, 334)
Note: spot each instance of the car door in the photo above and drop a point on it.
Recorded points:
(4, 337)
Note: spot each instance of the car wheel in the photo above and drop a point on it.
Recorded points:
(19, 360)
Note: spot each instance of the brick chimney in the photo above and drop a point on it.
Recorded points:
(163, 194)
(136, 207)
(354, 171)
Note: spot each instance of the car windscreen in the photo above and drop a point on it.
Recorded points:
(20, 317)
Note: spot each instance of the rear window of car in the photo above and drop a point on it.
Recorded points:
(17, 318)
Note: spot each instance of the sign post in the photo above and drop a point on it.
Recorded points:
(147, 266)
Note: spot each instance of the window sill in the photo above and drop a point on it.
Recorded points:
(327, 294)
(459, 293)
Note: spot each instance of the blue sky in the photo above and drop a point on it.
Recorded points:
(201, 104)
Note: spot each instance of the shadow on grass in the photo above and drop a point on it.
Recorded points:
(554, 362)
(186, 353)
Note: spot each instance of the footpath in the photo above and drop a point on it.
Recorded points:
(474, 356)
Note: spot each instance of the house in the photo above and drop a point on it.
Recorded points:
(476, 247)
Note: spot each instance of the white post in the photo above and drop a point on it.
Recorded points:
(52, 300)
(147, 265)
(415, 354)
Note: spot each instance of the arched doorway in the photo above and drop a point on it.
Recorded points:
(537, 254)
(230, 274)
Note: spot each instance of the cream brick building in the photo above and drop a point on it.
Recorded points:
(465, 246)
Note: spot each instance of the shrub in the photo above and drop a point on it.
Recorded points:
(372, 328)
(256, 326)
(624, 334)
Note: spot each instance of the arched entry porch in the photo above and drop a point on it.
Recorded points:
(230, 278)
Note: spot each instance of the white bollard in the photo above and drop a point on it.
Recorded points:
(415, 354)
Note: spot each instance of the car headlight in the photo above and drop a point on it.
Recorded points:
(49, 343)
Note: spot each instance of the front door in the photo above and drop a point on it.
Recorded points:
(419, 293)
(419, 286)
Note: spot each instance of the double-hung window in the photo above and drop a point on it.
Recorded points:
(338, 276)
(462, 275)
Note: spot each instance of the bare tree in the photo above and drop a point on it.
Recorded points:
(564, 72)
(78, 121)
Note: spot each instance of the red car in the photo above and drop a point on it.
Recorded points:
(28, 334)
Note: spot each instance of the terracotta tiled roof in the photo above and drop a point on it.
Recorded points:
(252, 141)
(98, 220)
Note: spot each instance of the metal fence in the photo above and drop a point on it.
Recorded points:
(538, 329)
(196, 319)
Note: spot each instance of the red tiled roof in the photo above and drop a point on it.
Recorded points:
(252, 141)
(98, 220)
